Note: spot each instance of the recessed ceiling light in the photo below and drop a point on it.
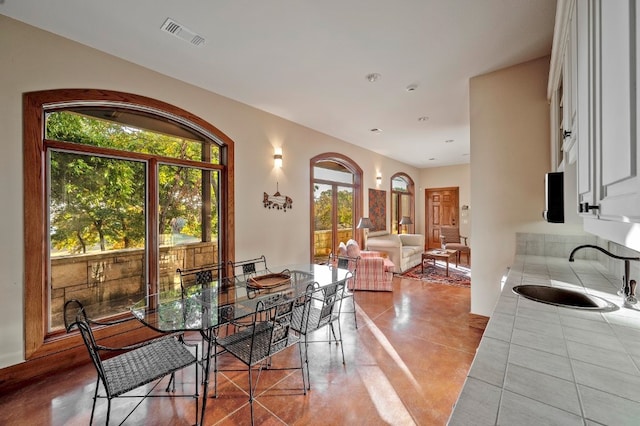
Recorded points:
(412, 87)
(448, 141)
(423, 118)
(373, 77)
(432, 159)
(466, 154)
(376, 130)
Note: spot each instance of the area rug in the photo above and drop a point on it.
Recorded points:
(460, 276)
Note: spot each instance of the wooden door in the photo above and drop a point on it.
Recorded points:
(441, 210)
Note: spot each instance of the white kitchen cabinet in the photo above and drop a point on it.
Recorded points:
(564, 93)
(570, 86)
(608, 183)
(618, 186)
(605, 36)
(585, 134)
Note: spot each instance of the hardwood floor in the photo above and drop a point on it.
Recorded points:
(405, 364)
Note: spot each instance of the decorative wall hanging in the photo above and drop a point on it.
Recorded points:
(277, 201)
(378, 209)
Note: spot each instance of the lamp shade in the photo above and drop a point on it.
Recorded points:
(406, 220)
(364, 223)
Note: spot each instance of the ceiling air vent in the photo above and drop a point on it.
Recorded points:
(172, 27)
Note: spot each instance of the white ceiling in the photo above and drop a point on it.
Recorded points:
(306, 60)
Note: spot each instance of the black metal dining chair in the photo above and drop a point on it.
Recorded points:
(324, 311)
(270, 333)
(192, 279)
(247, 268)
(134, 366)
(350, 263)
(243, 270)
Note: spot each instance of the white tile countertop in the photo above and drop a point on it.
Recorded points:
(542, 364)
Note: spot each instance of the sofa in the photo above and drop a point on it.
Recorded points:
(404, 250)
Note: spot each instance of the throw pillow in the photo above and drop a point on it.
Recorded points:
(353, 249)
(342, 249)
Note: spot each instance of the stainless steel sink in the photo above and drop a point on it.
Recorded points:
(564, 297)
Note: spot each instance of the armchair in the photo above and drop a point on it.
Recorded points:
(450, 239)
(374, 273)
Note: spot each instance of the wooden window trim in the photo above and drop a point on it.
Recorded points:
(412, 202)
(38, 342)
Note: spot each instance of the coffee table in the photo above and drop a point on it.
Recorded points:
(440, 254)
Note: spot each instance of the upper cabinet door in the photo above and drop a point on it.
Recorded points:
(569, 102)
(619, 186)
(585, 136)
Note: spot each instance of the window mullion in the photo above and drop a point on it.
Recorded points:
(153, 228)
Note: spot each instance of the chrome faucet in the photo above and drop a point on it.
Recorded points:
(628, 290)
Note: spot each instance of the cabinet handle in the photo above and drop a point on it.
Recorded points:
(585, 207)
(566, 134)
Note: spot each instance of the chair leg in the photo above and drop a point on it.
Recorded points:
(333, 333)
(95, 399)
(306, 360)
(196, 379)
(172, 380)
(108, 411)
(341, 345)
(304, 384)
(202, 345)
(355, 319)
(215, 371)
(251, 394)
(196, 391)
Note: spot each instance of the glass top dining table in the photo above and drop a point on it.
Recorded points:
(208, 306)
(221, 301)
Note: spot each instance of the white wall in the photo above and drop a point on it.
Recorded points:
(36, 60)
(509, 157)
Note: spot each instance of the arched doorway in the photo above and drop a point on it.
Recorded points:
(336, 202)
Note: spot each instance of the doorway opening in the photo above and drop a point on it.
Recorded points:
(336, 203)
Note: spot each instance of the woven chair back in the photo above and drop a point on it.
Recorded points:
(249, 267)
(199, 276)
(451, 235)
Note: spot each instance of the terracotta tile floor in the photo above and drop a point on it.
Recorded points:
(405, 364)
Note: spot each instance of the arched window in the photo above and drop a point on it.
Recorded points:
(120, 191)
(402, 203)
(336, 203)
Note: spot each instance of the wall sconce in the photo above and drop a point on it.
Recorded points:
(277, 158)
(379, 179)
